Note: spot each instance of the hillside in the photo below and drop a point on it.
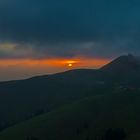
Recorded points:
(124, 69)
(126, 63)
(82, 120)
(25, 99)
(20, 100)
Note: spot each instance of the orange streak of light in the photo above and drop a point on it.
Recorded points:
(56, 62)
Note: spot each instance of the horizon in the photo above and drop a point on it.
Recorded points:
(58, 66)
(42, 37)
(26, 68)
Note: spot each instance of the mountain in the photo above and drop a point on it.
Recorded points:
(124, 69)
(44, 95)
(128, 63)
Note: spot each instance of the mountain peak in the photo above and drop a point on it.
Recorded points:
(123, 63)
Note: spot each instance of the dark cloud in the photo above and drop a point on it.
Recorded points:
(101, 28)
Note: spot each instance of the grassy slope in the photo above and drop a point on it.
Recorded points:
(20, 100)
(118, 110)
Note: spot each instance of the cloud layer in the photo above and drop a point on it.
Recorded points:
(60, 28)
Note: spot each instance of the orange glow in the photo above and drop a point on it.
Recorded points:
(24, 68)
(70, 65)
(58, 62)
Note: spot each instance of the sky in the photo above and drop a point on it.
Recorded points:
(44, 36)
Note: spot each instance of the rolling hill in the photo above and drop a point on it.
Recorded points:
(20, 100)
(103, 98)
(82, 120)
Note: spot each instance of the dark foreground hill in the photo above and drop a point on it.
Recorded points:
(116, 83)
(87, 119)
(20, 100)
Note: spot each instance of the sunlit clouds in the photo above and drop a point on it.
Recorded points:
(19, 61)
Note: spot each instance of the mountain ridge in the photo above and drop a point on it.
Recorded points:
(123, 63)
(46, 93)
(116, 65)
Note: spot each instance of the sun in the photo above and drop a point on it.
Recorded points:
(70, 65)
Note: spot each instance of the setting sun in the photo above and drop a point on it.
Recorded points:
(70, 65)
(71, 62)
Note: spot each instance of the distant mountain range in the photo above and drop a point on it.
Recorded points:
(26, 99)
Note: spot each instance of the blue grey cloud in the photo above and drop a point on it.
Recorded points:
(66, 28)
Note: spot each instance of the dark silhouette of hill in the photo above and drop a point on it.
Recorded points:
(128, 63)
(89, 118)
(124, 69)
(24, 99)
